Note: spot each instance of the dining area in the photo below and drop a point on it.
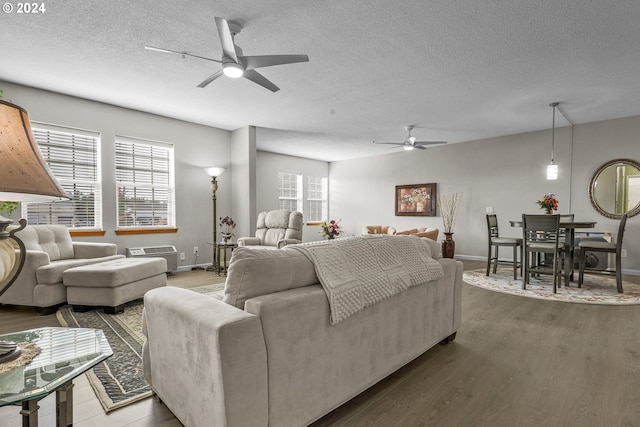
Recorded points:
(549, 247)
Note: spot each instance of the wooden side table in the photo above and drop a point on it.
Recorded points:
(221, 256)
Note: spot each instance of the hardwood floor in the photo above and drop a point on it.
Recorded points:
(515, 362)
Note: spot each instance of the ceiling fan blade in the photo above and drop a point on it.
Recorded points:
(416, 143)
(226, 39)
(258, 78)
(158, 49)
(252, 62)
(388, 143)
(419, 147)
(211, 78)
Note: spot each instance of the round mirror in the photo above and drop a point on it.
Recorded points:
(615, 188)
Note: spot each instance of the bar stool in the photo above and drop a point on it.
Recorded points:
(606, 247)
(495, 241)
(541, 236)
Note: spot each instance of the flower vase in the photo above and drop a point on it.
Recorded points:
(225, 238)
(548, 211)
(448, 246)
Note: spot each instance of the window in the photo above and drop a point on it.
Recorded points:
(317, 196)
(145, 183)
(73, 155)
(290, 190)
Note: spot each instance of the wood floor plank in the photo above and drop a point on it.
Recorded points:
(516, 361)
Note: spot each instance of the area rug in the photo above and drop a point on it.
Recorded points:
(594, 290)
(119, 380)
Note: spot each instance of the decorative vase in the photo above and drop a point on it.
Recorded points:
(548, 211)
(448, 246)
(225, 238)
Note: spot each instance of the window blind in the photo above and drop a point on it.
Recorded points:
(145, 183)
(317, 195)
(73, 155)
(290, 191)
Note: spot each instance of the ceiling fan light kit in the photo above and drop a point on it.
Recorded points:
(234, 64)
(233, 70)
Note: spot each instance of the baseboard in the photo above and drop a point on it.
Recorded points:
(193, 267)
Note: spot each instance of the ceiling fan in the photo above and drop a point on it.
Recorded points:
(234, 64)
(410, 141)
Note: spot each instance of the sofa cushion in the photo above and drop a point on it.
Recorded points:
(254, 272)
(52, 273)
(115, 272)
(52, 239)
(431, 234)
(407, 232)
(436, 248)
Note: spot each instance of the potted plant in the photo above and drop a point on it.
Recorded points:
(549, 203)
(330, 229)
(227, 224)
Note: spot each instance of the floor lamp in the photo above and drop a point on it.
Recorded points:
(24, 177)
(214, 173)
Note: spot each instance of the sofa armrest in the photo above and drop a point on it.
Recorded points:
(82, 250)
(205, 359)
(248, 241)
(284, 242)
(22, 290)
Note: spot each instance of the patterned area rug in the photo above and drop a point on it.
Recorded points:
(119, 380)
(594, 290)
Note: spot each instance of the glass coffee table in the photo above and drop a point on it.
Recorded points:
(65, 353)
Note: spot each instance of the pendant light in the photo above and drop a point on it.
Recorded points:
(552, 168)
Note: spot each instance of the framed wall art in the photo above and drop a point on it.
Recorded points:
(416, 200)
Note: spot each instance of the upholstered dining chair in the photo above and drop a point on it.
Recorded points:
(605, 247)
(541, 236)
(496, 242)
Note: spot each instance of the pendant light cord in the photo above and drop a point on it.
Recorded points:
(553, 130)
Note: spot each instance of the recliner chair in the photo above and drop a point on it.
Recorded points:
(276, 228)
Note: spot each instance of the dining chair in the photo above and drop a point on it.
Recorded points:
(495, 242)
(541, 236)
(604, 247)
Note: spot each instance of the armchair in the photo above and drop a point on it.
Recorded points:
(276, 228)
(50, 251)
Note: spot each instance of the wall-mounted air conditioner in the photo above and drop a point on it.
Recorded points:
(167, 252)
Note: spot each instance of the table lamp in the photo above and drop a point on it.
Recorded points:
(24, 177)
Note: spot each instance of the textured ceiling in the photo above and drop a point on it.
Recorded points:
(458, 70)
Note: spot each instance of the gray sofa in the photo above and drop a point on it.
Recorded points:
(264, 352)
(50, 252)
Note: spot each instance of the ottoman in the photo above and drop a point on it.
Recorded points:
(113, 283)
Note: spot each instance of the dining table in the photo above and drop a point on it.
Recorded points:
(570, 227)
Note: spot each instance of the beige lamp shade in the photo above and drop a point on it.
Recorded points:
(24, 175)
(214, 171)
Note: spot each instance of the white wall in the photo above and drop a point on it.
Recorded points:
(196, 147)
(507, 173)
(267, 167)
(243, 155)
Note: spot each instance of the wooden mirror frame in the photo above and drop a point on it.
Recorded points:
(592, 185)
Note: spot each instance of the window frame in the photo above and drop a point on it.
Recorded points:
(70, 133)
(169, 188)
(324, 198)
(299, 197)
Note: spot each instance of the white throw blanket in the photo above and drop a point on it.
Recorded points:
(357, 272)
